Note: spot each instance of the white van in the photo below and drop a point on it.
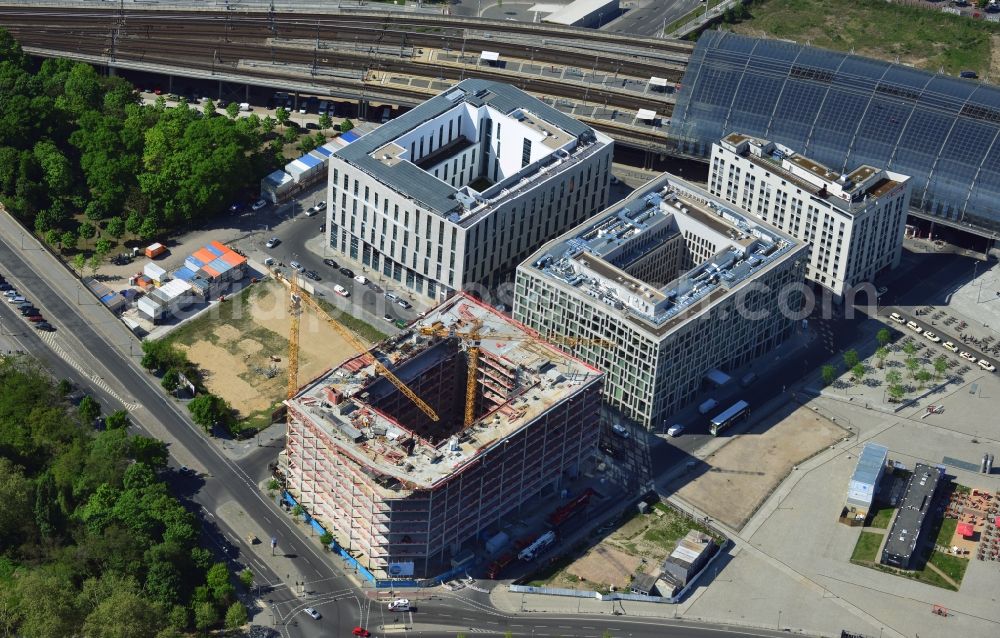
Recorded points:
(269, 261)
(361, 279)
(245, 106)
(340, 290)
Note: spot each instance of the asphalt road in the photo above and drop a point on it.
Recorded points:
(295, 229)
(649, 18)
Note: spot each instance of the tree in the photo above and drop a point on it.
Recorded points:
(281, 115)
(829, 374)
(14, 490)
(94, 263)
(87, 230)
(96, 210)
(217, 579)
(858, 371)
(246, 577)
(208, 410)
(102, 247)
(116, 227)
(851, 358)
(883, 336)
(922, 377)
(205, 615)
(893, 377)
(171, 380)
(346, 125)
(148, 229)
(117, 420)
(910, 348)
(290, 135)
(941, 366)
(325, 539)
(208, 108)
(52, 237)
(89, 410)
(896, 391)
(68, 240)
(881, 354)
(912, 365)
(236, 616)
(79, 262)
(268, 124)
(233, 110)
(133, 223)
(325, 121)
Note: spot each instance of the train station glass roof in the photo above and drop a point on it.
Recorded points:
(844, 110)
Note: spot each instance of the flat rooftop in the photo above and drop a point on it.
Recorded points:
(596, 256)
(347, 402)
(847, 192)
(378, 154)
(913, 510)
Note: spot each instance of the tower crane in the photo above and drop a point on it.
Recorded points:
(295, 312)
(352, 339)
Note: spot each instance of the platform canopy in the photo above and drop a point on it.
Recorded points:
(646, 114)
(489, 56)
(655, 81)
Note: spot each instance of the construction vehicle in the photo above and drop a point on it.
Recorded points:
(497, 566)
(297, 300)
(561, 514)
(541, 544)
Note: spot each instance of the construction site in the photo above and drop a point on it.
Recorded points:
(408, 451)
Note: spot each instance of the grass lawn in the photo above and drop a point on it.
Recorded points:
(866, 551)
(951, 565)
(666, 530)
(690, 15)
(947, 531)
(880, 517)
(925, 38)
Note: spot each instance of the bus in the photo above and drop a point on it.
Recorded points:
(736, 412)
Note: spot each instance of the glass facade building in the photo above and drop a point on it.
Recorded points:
(845, 110)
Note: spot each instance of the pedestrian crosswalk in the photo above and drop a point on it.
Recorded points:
(52, 341)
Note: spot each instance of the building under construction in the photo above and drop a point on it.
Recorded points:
(406, 490)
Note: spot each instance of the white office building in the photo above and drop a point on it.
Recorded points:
(665, 291)
(854, 221)
(463, 187)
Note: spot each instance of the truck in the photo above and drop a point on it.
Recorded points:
(497, 566)
(707, 406)
(559, 516)
(541, 544)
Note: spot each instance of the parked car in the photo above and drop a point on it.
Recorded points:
(331, 263)
(272, 242)
(347, 272)
(986, 365)
(16, 299)
(312, 274)
(315, 615)
(361, 632)
(400, 604)
(320, 205)
(312, 210)
(914, 326)
(620, 430)
(389, 318)
(6, 286)
(44, 325)
(312, 126)
(391, 296)
(297, 266)
(930, 336)
(340, 290)
(31, 311)
(895, 316)
(676, 430)
(257, 205)
(35, 318)
(361, 279)
(968, 356)
(950, 346)
(404, 303)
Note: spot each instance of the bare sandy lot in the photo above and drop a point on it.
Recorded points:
(243, 348)
(740, 475)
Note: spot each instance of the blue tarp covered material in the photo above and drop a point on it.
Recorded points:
(184, 273)
(220, 266)
(324, 151)
(193, 263)
(108, 297)
(215, 251)
(310, 160)
(349, 136)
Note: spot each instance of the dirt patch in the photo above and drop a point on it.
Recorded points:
(601, 567)
(994, 55)
(738, 477)
(243, 350)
